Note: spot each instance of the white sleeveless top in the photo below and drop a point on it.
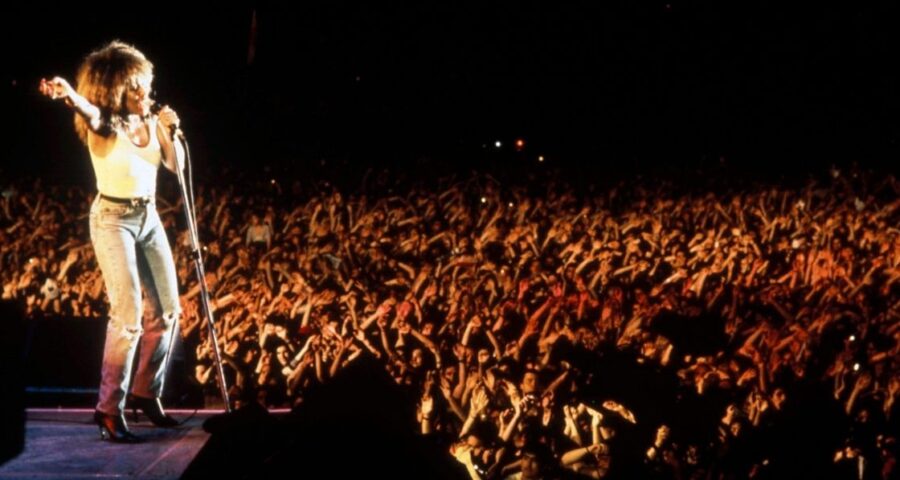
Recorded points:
(129, 171)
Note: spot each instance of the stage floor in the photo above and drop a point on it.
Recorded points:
(65, 444)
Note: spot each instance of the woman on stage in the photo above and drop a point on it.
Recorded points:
(127, 141)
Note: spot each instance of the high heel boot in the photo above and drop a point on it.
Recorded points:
(152, 408)
(114, 429)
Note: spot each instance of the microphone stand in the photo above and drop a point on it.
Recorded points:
(187, 197)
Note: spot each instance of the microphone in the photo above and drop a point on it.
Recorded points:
(155, 108)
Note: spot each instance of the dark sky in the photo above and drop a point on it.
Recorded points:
(581, 81)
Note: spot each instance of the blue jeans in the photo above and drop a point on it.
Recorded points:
(132, 248)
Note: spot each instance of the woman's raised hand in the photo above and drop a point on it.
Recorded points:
(56, 88)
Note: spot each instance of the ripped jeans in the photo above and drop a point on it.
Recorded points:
(131, 248)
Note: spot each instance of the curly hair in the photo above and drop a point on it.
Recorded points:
(104, 78)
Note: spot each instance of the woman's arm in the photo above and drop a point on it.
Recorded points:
(58, 87)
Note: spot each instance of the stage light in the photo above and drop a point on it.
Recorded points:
(498, 144)
(483, 200)
(520, 144)
(541, 158)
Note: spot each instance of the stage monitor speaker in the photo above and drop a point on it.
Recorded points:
(360, 424)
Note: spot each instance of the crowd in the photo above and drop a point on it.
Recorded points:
(641, 328)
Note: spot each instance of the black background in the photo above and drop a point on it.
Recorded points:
(763, 85)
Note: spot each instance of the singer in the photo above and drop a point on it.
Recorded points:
(128, 139)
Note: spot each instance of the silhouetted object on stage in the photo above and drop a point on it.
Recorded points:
(359, 424)
(12, 366)
(241, 441)
(64, 355)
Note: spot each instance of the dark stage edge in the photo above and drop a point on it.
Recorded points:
(63, 443)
